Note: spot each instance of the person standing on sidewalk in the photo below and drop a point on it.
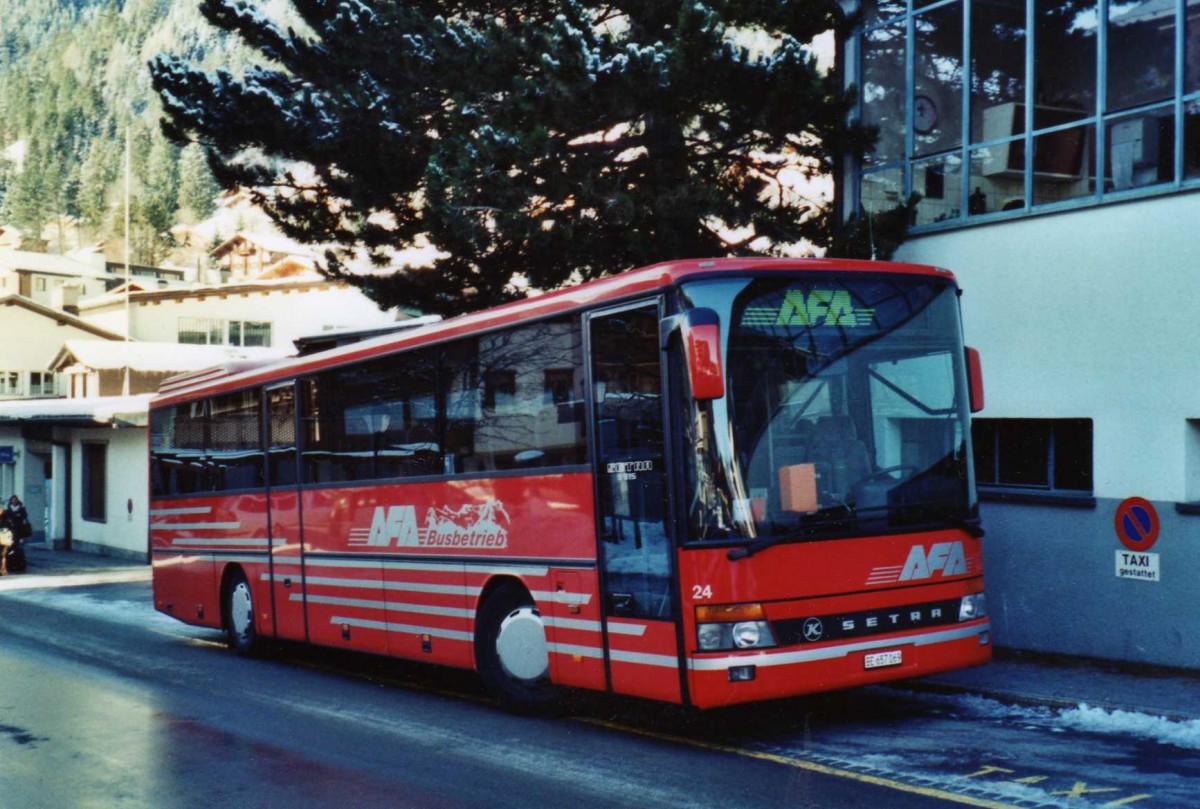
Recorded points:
(16, 519)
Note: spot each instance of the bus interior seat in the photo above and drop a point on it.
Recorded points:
(837, 447)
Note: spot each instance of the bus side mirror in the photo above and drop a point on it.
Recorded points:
(975, 380)
(702, 344)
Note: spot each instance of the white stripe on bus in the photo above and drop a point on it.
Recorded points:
(574, 650)
(168, 512)
(445, 612)
(243, 541)
(388, 626)
(643, 659)
(193, 526)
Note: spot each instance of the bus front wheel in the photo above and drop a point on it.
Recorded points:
(240, 632)
(511, 652)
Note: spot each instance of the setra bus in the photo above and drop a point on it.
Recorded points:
(705, 482)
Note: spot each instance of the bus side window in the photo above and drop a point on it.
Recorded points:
(512, 398)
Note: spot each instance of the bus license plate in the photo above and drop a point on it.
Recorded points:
(881, 660)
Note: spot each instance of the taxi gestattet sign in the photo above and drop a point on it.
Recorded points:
(1136, 523)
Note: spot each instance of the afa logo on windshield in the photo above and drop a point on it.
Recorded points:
(820, 307)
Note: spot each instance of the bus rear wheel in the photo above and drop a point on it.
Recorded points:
(511, 652)
(240, 632)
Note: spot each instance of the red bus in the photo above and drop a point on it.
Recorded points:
(705, 482)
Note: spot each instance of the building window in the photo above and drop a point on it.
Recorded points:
(43, 383)
(559, 386)
(215, 331)
(500, 390)
(10, 383)
(1047, 131)
(39, 284)
(249, 333)
(95, 487)
(1051, 456)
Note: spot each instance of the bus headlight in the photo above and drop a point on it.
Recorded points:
(972, 607)
(739, 626)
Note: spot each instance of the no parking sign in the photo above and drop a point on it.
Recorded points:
(1136, 523)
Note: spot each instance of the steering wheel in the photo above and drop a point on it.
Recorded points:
(897, 470)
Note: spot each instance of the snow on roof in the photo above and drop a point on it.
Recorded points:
(271, 242)
(164, 357)
(62, 318)
(117, 410)
(44, 262)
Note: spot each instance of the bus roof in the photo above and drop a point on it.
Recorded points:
(591, 293)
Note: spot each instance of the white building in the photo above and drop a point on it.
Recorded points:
(40, 276)
(80, 462)
(31, 335)
(1079, 267)
(257, 313)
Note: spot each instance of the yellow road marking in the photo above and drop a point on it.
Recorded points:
(810, 766)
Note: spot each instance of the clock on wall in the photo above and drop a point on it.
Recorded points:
(925, 115)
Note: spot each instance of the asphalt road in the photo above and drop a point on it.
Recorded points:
(105, 703)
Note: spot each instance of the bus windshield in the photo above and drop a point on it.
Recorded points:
(845, 411)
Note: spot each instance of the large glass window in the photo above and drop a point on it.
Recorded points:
(508, 400)
(177, 438)
(845, 412)
(499, 414)
(372, 420)
(234, 451)
(1141, 52)
(883, 91)
(997, 69)
(937, 94)
(1035, 125)
(211, 445)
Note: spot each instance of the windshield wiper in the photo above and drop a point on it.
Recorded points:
(833, 515)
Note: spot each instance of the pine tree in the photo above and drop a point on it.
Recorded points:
(557, 140)
(198, 189)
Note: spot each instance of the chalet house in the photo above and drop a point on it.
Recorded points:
(248, 256)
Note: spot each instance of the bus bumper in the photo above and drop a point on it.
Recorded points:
(727, 679)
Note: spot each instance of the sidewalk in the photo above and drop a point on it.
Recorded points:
(1056, 681)
(46, 562)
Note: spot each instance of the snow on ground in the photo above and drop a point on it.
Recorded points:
(1184, 734)
(118, 611)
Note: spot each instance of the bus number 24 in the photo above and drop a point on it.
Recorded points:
(701, 592)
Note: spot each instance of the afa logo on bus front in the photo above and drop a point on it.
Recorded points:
(470, 526)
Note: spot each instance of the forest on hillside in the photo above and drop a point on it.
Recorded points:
(74, 86)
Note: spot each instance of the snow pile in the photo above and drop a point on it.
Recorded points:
(1184, 734)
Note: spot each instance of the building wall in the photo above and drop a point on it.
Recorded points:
(123, 531)
(40, 339)
(1091, 314)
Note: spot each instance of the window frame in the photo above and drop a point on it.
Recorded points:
(88, 481)
(1177, 116)
(989, 485)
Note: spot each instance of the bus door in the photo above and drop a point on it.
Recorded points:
(283, 497)
(641, 645)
